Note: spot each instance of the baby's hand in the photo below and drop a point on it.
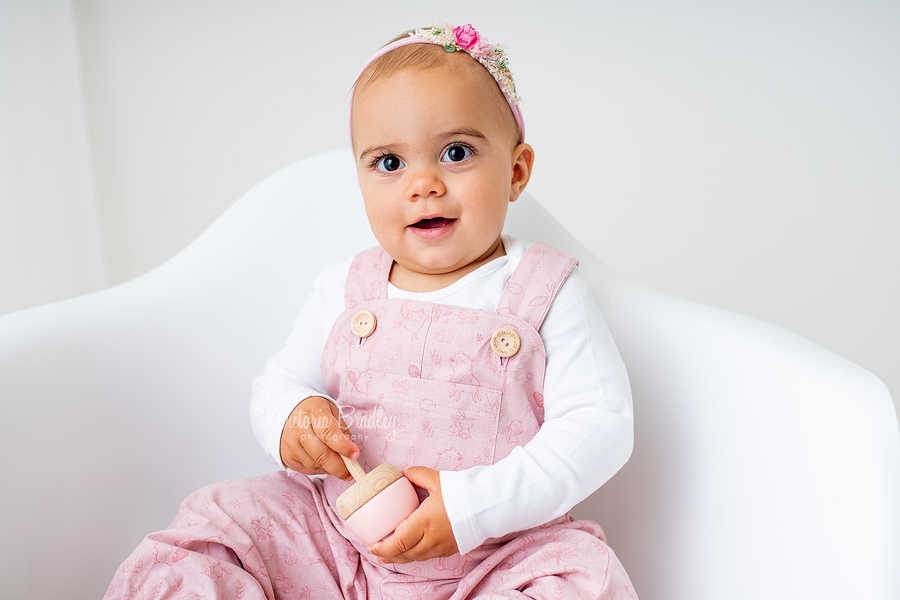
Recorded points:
(424, 534)
(314, 436)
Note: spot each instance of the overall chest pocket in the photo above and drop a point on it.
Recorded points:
(411, 421)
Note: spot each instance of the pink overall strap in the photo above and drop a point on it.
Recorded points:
(535, 283)
(368, 277)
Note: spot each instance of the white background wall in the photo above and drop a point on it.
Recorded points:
(742, 154)
(49, 223)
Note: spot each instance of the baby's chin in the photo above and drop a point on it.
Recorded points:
(437, 268)
(427, 274)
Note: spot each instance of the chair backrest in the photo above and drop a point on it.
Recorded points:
(764, 465)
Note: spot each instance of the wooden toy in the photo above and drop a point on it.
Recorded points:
(378, 501)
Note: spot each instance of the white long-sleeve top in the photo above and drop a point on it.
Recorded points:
(587, 434)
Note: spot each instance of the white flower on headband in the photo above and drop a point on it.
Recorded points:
(467, 39)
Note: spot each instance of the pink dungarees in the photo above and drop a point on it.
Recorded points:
(426, 387)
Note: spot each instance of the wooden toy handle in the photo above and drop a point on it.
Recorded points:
(355, 469)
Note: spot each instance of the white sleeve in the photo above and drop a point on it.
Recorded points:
(295, 372)
(587, 435)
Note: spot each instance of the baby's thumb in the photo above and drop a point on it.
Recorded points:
(423, 477)
(342, 442)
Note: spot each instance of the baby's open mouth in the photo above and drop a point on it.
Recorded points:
(432, 223)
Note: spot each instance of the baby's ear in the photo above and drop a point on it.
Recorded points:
(522, 162)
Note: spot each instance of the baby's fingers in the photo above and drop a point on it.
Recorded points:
(295, 457)
(296, 431)
(329, 440)
(403, 546)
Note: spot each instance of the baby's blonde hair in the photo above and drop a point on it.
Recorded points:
(419, 57)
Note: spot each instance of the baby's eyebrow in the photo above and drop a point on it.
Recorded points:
(385, 148)
(469, 131)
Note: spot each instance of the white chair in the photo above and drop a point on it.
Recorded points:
(764, 465)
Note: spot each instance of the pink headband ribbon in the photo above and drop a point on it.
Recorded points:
(464, 39)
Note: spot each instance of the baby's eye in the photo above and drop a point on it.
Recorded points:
(388, 163)
(456, 153)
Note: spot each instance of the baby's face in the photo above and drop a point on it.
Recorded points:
(438, 167)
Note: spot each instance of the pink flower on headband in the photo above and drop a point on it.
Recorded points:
(482, 48)
(466, 37)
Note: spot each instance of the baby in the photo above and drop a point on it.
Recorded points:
(478, 358)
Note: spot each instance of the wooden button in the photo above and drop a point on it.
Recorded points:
(505, 342)
(363, 324)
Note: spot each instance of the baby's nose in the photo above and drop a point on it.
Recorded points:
(423, 183)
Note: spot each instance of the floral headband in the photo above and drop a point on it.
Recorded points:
(461, 39)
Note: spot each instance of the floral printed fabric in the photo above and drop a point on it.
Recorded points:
(424, 388)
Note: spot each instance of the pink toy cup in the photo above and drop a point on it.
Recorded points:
(379, 517)
(377, 503)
